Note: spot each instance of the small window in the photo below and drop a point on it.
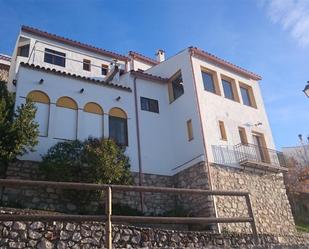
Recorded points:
(229, 88)
(242, 135)
(54, 57)
(247, 95)
(150, 105)
(23, 51)
(210, 81)
(176, 87)
(86, 65)
(190, 130)
(104, 69)
(222, 130)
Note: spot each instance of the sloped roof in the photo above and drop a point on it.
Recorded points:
(223, 63)
(148, 76)
(59, 72)
(73, 43)
(5, 57)
(143, 58)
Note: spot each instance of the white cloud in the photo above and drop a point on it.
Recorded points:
(293, 15)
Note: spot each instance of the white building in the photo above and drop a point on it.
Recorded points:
(5, 62)
(169, 113)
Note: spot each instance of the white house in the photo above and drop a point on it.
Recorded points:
(169, 113)
(5, 62)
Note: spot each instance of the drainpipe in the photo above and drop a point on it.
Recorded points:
(204, 141)
(140, 169)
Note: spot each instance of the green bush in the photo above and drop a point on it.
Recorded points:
(18, 128)
(92, 161)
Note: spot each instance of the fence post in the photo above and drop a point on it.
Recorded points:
(108, 212)
(250, 213)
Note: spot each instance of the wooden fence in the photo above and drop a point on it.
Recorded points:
(108, 218)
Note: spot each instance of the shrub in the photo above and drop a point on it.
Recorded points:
(92, 161)
(18, 129)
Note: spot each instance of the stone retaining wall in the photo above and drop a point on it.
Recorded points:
(270, 204)
(154, 203)
(61, 235)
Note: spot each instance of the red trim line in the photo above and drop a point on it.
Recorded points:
(73, 43)
(143, 58)
(101, 82)
(205, 55)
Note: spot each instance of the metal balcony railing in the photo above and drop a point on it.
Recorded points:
(251, 154)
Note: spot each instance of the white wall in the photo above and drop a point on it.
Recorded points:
(74, 57)
(233, 114)
(136, 64)
(180, 111)
(56, 86)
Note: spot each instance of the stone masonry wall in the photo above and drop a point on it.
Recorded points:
(51, 199)
(154, 203)
(270, 204)
(86, 235)
(4, 73)
(194, 177)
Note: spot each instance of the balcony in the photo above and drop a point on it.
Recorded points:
(253, 156)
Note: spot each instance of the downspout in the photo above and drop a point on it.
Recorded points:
(140, 169)
(204, 141)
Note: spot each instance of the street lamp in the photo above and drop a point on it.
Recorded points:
(306, 90)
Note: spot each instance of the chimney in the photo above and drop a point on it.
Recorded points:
(160, 55)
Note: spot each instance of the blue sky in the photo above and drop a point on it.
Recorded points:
(269, 37)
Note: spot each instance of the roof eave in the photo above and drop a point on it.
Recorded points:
(223, 63)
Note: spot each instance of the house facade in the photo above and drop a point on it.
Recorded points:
(171, 114)
(5, 62)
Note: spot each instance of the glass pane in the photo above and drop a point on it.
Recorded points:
(208, 82)
(118, 130)
(177, 85)
(245, 96)
(228, 90)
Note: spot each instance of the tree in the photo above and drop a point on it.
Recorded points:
(18, 129)
(92, 161)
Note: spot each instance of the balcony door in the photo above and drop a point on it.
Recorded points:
(260, 148)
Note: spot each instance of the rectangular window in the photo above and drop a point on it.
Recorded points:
(228, 89)
(118, 130)
(104, 69)
(54, 57)
(222, 130)
(190, 130)
(176, 87)
(86, 65)
(210, 81)
(150, 105)
(247, 95)
(23, 51)
(242, 135)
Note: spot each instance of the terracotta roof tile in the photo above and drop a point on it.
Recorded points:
(101, 82)
(143, 58)
(5, 57)
(224, 63)
(73, 43)
(144, 75)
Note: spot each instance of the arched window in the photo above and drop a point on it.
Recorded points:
(93, 120)
(118, 127)
(42, 103)
(66, 119)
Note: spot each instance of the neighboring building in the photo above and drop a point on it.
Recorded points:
(190, 110)
(299, 153)
(5, 62)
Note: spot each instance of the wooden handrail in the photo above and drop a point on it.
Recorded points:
(108, 218)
